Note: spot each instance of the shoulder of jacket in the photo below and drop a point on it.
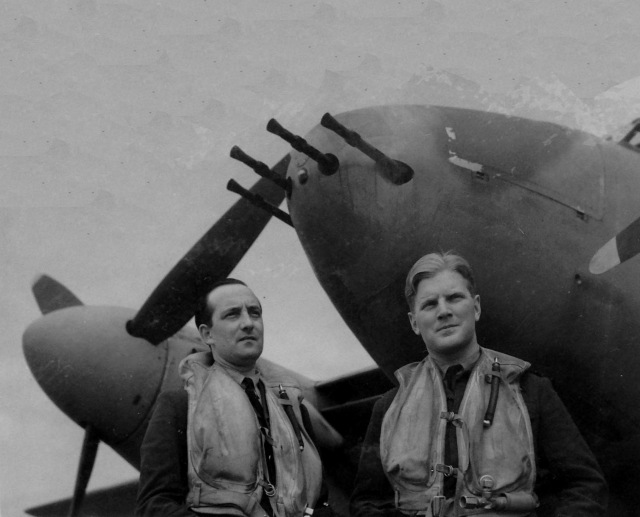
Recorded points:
(175, 396)
(536, 373)
(385, 400)
(534, 381)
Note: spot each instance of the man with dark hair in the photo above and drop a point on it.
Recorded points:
(470, 431)
(226, 445)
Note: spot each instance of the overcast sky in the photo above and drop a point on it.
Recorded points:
(116, 120)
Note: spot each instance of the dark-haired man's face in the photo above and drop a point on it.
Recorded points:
(236, 333)
(445, 314)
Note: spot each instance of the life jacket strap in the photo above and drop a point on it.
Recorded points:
(447, 470)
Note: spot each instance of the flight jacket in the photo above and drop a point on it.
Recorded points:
(569, 481)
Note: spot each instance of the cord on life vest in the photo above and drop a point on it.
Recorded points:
(288, 409)
(493, 397)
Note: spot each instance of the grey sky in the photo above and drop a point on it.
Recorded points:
(117, 119)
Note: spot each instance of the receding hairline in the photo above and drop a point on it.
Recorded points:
(204, 310)
(218, 288)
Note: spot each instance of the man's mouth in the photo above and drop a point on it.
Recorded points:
(247, 338)
(446, 327)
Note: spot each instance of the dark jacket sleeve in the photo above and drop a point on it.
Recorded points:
(373, 496)
(570, 480)
(163, 485)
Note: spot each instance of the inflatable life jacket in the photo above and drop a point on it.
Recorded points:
(496, 464)
(225, 446)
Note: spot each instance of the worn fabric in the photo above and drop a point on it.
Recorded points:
(228, 471)
(412, 442)
(569, 480)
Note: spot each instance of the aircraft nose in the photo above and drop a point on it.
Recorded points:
(93, 370)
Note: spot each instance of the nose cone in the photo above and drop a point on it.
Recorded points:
(348, 221)
(93, 370)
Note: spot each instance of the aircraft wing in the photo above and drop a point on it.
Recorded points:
(116, 501)
(347, 401)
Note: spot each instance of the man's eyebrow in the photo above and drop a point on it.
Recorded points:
(426, 299)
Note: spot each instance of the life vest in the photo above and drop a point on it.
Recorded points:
(496, 461)
(226, 456)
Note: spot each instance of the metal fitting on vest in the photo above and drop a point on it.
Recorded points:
(487, 483)
(268, 488)
(518, 502)
(469, 502)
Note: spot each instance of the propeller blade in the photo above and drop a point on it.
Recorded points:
(622, 247)
(212, 258)
(51, 295)
(87, 460)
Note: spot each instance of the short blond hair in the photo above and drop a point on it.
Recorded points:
(430, 265)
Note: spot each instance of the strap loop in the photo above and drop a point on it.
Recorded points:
(448, 416)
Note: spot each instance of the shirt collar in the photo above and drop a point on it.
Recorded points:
(467, 364)
(237, 376)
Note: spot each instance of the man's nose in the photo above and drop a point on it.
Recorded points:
(246, 320)
(443, 309)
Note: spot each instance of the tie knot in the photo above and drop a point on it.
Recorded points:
(248, 385)
(452, 371)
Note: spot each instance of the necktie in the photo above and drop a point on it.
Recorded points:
(250, 390)
(451, 442)
(450, 376)
(263, 420)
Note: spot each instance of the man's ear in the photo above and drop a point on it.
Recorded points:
(414, 325)
(205, 334)
(478, 309)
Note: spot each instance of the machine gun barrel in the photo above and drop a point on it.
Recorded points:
(259, 201)
(262, 169)
(392, 170)
(327, 163)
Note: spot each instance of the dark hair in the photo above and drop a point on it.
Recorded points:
(204, 312)
(430, 265)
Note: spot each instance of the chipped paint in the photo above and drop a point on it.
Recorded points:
(465, 164)
(450, 133)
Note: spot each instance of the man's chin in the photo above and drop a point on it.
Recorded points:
(446, 347)
(251, 348)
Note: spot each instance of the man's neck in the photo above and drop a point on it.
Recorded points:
(247, 371)
(466, 358)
